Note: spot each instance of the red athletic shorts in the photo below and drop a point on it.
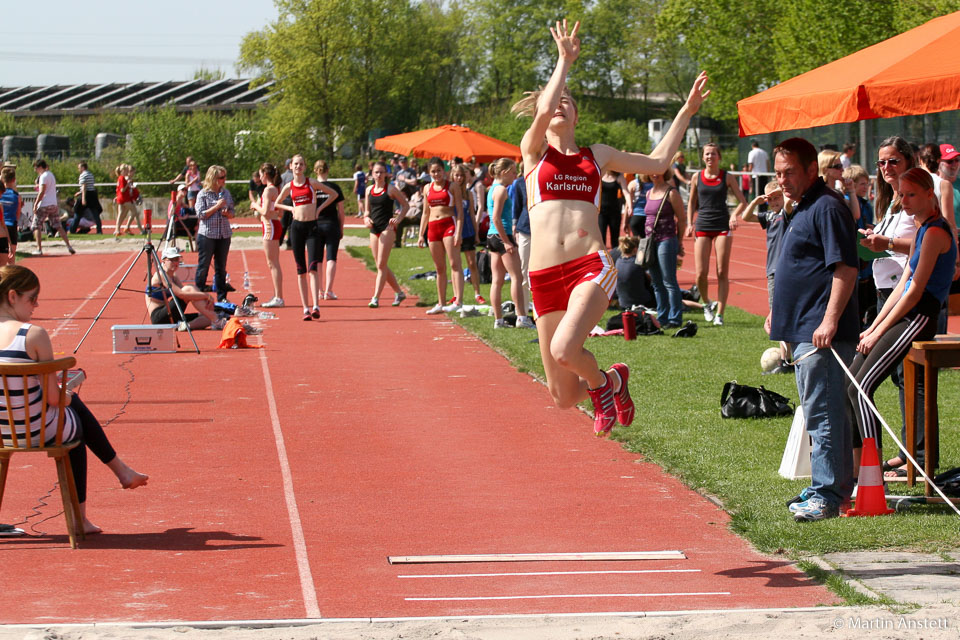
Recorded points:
(439, 229)
(271, 229)
(712, 234)
(551, 287)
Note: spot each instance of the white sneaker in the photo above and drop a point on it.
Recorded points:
(524, 322)
(219, 324)
(274, 303)
(329, 295)
(374, 303)
(435, 309)
(398, 298)
(710, 311)
(718, 320)
(453, 306)
(500, 323)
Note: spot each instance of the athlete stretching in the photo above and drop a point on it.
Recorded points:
(571, 275)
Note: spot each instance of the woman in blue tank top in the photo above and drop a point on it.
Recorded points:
(910, 313)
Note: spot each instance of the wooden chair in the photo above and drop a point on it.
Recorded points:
(24, 443)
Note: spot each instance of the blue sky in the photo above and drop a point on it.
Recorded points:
(78, 42)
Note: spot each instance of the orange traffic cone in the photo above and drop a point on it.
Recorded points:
(870, 500)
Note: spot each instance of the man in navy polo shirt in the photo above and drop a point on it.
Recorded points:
(814, 309)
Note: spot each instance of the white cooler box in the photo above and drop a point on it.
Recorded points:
(144, 338)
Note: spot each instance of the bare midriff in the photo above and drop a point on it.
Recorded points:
(305, 212)
(563, 230)
(441, 212)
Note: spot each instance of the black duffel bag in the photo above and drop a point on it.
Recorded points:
(743, 401)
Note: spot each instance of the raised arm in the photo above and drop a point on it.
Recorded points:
(661, 157)
(568, 48)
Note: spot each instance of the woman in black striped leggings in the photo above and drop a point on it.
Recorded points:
(910, 313)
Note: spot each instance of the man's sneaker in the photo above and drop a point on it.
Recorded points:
(524, 322)
(435, 309)
(479, 298)
(803, 496)
(814, 509)
(398, 298)
(718, 320)
(622, 400)
(500, 323)
(710, 311)
(453, 306)
(274, 303)
(374, 303)
(604, 411)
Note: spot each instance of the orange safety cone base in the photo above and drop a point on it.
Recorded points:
(870, 500)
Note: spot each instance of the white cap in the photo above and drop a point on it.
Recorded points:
(171, 253)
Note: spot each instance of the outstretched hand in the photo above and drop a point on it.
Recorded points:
(568, 44)
(697, 94)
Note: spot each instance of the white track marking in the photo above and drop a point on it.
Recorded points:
(296, 527)
(90, 296)
(573, 595)
(548, 573)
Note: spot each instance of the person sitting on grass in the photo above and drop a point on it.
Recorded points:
(26, 343)
(162, 309)
(633, 286)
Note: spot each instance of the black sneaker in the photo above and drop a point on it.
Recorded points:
(688, 331)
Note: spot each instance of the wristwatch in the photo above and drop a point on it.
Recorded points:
(890, 244)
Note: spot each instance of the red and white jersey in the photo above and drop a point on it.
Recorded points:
(439, 197)
(303, 194)
(561, 177)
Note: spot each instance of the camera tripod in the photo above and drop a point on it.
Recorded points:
(153, 260)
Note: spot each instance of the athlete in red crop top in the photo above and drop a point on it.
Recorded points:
(441, 228)
(303, 231)
(571, 275)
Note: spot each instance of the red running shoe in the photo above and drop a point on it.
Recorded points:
(604, 411)
(622, 400)
(479, 298)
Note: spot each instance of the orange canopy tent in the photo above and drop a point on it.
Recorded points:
(447, 142)
(913, 73)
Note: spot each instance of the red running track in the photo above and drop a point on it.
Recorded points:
(283, 478)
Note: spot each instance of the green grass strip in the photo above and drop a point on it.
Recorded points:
(676, 384)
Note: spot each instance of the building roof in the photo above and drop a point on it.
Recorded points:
(88, 99)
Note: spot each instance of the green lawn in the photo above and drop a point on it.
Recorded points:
(676, 384)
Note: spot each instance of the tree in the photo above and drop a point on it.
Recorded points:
(344, 67)
(731, 40)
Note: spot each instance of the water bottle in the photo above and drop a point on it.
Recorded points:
(246, 280)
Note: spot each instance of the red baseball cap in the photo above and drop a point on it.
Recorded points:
(947, 152)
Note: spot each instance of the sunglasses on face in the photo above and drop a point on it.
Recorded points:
(954, 161)
(891, 161)
(836, 166)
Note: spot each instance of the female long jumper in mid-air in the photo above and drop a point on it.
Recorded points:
(571, 275)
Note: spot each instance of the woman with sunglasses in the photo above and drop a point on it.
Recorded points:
(893, 234)
(214, 212)
(831, 170)
(911, 310)
(571, 274)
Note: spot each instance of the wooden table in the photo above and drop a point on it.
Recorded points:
(931, 355)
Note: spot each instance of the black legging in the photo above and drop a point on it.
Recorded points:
(886, 355)
(610, 219)
(328, 238)
(304, 235)
(91, 434)
(92, 207)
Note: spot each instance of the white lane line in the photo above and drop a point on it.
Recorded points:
(307, 587)
(548, 573)
(575, 595)
(90, 296)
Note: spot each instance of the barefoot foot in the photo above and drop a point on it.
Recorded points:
(89, 528)
(132, 480)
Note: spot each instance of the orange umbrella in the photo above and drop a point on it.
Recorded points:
(446, 142)
(913, 73)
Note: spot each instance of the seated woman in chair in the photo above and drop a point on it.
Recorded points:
(164, 311)
(24, 342)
